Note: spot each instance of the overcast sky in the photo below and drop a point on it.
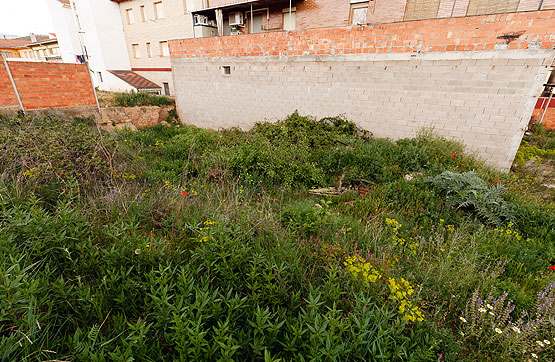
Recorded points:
(21, 17)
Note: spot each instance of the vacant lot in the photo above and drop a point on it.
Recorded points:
(184, 244)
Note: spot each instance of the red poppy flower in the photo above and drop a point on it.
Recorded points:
(453, 156)
(184, 193)
(398, 187)
(552, 267)
(495, 182)
(462, 165)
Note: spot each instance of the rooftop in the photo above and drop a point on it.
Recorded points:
(134, 80)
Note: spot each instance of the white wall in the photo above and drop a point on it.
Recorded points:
(102, 34)
(66, 31)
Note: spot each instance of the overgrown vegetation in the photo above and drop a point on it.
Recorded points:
(177, 243)
(133, 99)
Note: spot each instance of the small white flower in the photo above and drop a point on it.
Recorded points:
(137, 251)
(498, 330)
(482, 310)
(489, 306)
(540, 343)
(534, 355)
(462, 319)
(490, 312)
(516, 329)
(546, 341)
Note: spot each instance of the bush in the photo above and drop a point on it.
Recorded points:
(133, 99)
(469, 191)
(178, 243)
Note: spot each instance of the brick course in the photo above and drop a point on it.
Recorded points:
(45, 85)
(7, 94)
(453, 34)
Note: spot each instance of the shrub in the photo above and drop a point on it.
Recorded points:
(469, 191)
(133, 99)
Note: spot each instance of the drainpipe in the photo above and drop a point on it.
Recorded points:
(252, 21)
(94, 89)
(13, 84)
(290, 14)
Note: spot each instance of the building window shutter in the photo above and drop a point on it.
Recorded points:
(358, 13)
(158, 10)
(421, 9)
(164, 49)
(130, 17)
(485, 7)
(289, 24)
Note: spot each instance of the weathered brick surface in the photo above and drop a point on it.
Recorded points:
(453, 34)
(45, 85)
(7, 94)
(322, 13)
(549, 118)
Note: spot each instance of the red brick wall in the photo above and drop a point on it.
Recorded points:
(7, 94)
(322, 13)
(436, 35)
(45, 85)
(380, 11)
(549, 119)
(312, 14)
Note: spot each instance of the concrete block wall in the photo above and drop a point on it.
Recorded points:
(454, 75)
(48, 85)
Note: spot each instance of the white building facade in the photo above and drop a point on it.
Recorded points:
(91, 30)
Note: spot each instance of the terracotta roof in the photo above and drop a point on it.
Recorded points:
(65, 2)
(135, 80)
(12, 43)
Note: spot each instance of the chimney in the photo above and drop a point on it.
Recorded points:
(33, 37)
(4, 36)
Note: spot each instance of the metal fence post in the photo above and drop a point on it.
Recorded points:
(13, 83)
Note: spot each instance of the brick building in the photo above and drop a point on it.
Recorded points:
(230, 17)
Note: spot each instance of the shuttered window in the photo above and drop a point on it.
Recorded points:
(484, 7)
(421, 9)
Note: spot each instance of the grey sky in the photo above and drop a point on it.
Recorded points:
(21, 17)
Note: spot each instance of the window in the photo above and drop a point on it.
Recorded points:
(130, 17)
(158, 10)
(484, 7)
(289, 22)
(50, 51)
(136, 51)
(100, 77)
(143, 15)
(358, 13)
(164, 50)
(148, 50)
(166, 89)
(226, 70)
(422, 9)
